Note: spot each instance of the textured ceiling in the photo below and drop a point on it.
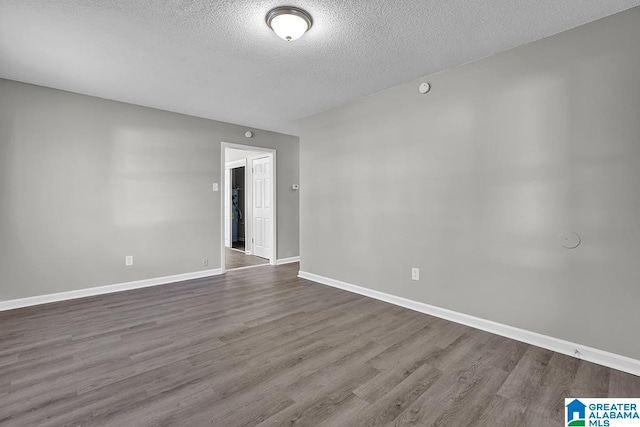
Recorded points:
(219, 60)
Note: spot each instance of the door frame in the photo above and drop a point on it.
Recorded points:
(248, 175)
(228, 166)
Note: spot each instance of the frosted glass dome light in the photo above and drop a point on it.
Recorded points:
(289, 22)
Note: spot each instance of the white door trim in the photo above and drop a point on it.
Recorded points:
(236, 164)
(226, 208)
(272, 152)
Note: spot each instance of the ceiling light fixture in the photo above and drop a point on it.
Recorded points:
(289, 22)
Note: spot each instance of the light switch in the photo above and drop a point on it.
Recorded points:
(215, 186)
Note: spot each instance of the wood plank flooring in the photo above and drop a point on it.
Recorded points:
(263, 347)
(235, 259)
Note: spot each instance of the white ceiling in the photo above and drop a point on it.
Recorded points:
(219, 60)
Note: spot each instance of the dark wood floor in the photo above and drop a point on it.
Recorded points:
(235, 259)
(262, 347)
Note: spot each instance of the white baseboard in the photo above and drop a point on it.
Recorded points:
(108, 289)
(604, 358)
(287, 260)
(246, 267)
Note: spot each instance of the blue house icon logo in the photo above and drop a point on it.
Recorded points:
(576, 413)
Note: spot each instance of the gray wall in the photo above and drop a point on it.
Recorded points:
(85, 181)
(473, 183)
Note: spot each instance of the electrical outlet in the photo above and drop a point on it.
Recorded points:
(128, 260)
(205, 262)
(415, 273)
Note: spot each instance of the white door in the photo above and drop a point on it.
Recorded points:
(227, 208)
(262, 207)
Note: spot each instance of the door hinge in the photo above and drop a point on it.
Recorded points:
(252, 240)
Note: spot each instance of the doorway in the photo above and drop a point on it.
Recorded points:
(238, 195)
(235, 201)
(249, 225)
